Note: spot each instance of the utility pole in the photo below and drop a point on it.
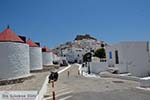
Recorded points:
(89, 56)
(89, 72)
(53, 92)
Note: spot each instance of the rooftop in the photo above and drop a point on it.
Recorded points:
(31, 43)
(9, 36)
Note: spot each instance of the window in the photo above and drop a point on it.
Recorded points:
(117, 57)
(110, 55)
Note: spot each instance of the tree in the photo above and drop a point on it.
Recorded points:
(87, 57)
(100, 53)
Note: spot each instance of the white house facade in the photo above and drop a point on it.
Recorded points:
(132, 57)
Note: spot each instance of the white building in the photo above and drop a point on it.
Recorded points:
(74, 51)
(47, 57)
(74, 54)
(55, 57)
(14, 56)
(79, 48)
(132, 57)
(35, 56)
(89, 44)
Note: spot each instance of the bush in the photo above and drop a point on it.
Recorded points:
(100, 53)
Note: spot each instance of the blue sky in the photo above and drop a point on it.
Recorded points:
(53, 22)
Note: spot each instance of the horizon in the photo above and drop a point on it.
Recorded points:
(52, 22)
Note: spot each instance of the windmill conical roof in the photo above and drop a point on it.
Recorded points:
(31, 43)
(45, 49)
(9, 36)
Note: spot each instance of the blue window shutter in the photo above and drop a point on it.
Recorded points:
(110, 55)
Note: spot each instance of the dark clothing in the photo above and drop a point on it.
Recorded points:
(53, 76)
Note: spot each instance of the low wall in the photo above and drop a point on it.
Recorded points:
(40, 95)
(97, 67)
(145, 82)
(43, 90)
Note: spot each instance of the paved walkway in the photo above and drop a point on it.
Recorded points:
(35, 83)
(77, 87)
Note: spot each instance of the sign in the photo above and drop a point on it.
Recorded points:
(18, 95)
(88, 57)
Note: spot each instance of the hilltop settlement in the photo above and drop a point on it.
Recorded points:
(25, 65)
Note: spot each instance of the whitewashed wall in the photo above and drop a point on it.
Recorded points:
(122, 66)
(97, 67)
(14, 60)
(62, 58)
(133, 58)
(35, 58)
(47, 58)
(136, 56)
(112, 62)
(54, 57)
